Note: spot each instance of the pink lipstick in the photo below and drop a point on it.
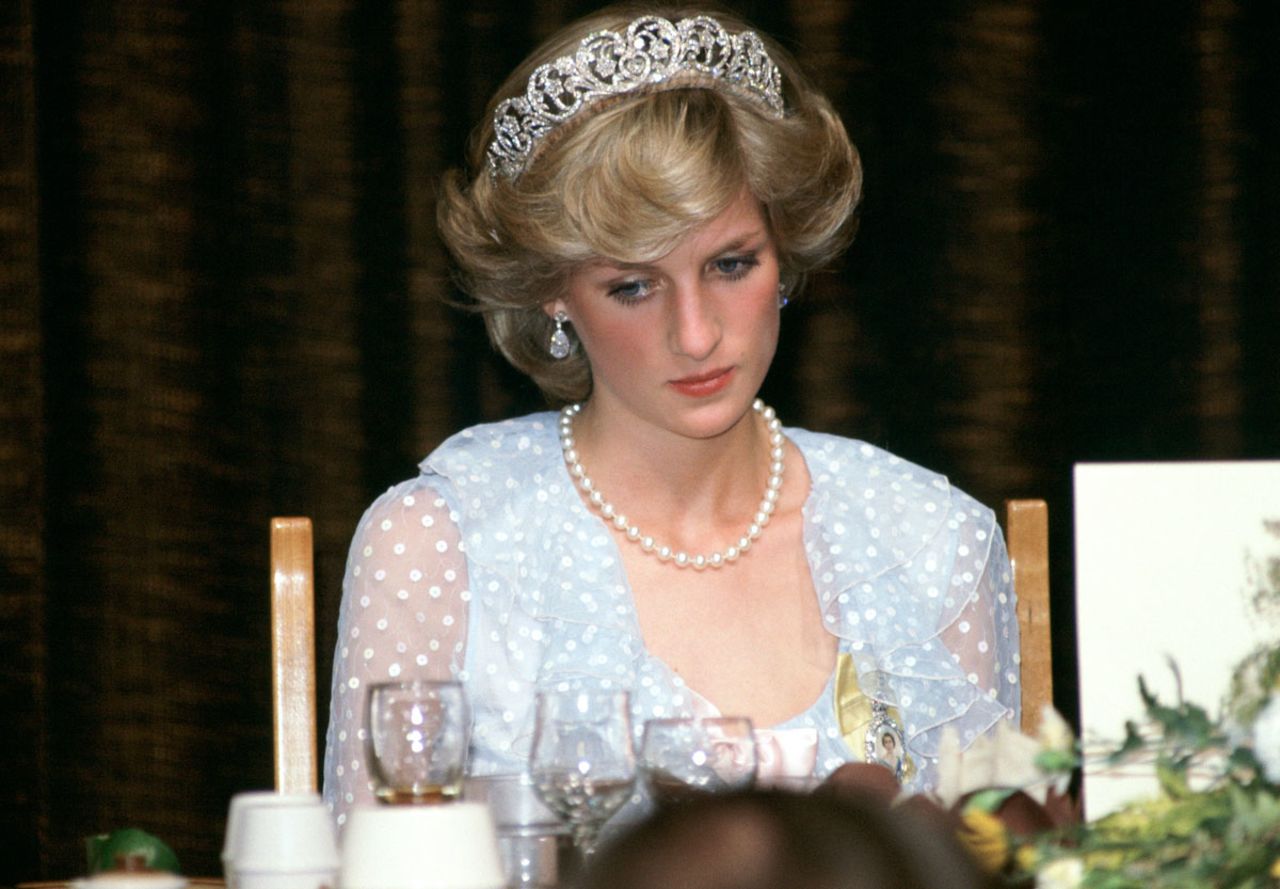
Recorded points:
(704, 384)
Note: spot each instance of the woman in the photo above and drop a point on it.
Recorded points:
(647, 192)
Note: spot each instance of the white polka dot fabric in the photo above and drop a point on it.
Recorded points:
(488, 568)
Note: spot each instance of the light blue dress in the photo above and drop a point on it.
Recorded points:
(489, 568)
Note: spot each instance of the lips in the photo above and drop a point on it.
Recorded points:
(703, 384)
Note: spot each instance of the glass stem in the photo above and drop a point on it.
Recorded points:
(584, 837)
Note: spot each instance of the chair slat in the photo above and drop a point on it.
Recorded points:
(293, 667)
(1027, 535)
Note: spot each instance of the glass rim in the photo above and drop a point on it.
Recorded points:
(544, 697)
(589, 692)
(416, 683)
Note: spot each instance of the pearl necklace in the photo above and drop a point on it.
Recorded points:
(679, 558)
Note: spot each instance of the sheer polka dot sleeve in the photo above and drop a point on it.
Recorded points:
(403, 615)
(983, 636)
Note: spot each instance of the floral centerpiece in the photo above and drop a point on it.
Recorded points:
(1214, 823)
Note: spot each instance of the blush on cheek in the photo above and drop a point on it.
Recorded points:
(767, 319)
(615, 345)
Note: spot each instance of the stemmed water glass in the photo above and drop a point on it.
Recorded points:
(682, 758)
(582, 763)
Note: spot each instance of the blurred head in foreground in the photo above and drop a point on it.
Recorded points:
(771, 840)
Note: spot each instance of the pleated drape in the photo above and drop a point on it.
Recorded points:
(223, 300)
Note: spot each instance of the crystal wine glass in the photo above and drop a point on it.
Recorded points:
(681, 758)
(582, 763)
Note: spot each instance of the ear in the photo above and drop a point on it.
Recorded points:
(552, 306)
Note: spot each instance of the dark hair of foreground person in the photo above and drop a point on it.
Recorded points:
(774, 840)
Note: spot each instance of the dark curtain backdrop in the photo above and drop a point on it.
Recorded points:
(221, 292)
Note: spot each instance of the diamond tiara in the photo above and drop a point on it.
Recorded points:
(651, 53)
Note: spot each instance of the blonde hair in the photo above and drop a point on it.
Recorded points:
(629, 177)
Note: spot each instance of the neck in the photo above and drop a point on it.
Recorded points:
(704, 500)
(660, 462)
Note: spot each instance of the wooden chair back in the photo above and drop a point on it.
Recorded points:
(293, 658)
(1027, 535)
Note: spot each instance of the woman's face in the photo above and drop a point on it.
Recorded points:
(683, 342)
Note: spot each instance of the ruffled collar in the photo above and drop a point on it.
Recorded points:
(882, 538)
(867, 516)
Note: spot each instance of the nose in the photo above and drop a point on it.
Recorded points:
(694, 323)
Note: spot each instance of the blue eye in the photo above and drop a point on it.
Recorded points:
(629, 291)
(735, 267)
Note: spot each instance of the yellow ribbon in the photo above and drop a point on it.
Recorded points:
(853, 708)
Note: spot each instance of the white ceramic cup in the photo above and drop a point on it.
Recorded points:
(280, 842)
(235, 821)
(420, 847)
(235, 813)
(131, 880)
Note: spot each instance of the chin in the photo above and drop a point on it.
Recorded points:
(716, 416)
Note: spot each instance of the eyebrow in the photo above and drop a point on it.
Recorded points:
(737, 243)
(741, 241)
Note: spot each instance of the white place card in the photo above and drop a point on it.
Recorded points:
(1163, 555)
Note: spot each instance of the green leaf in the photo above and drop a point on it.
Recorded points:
(1172, 779)
(1243, 758)
(1056, 760)
(989, 800)
(1148, 699)
(1103, 880)
(1133, 742)
(1193, 723)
